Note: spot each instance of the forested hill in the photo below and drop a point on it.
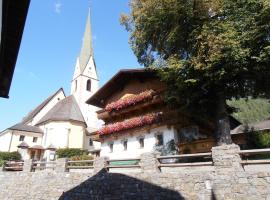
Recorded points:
(251, 110)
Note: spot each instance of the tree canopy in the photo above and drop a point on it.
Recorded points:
(206, 51)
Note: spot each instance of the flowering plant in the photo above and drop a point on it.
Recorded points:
(130, 123)
(131, 100)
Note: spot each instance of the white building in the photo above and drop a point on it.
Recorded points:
(135, 93)
(60, 121)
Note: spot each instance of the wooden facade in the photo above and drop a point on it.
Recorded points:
(129, 84)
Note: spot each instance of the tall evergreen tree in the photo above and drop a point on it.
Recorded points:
(206, 51)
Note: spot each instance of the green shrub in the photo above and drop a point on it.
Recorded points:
(258, 140)
(2, 162)
(10, 156)
(69, 152)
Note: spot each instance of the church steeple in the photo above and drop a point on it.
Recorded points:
(85, 80)
(87, 45)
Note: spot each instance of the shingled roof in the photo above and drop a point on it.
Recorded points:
(27, 128)
(34, 112)
(65, 110)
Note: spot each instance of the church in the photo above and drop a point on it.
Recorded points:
(60, 121)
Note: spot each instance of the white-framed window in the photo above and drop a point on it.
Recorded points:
(111, 147)
(159, 139)
(21, 138)
(125, 145)
(35, 139)
(88, 85)
(141, 142)
(90, 142)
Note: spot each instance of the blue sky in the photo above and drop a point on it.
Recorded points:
(51, 42)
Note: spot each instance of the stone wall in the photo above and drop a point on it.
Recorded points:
(226, 180)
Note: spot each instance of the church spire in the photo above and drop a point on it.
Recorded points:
(87, 48)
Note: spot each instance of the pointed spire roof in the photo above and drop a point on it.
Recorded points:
(87, 46)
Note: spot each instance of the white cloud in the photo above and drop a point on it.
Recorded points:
(57, 7)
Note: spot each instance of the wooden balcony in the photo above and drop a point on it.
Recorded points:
(105, 115)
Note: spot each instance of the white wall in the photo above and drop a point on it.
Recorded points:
(82, 95)
(96, 145)
(5, 139)
(56, 134)
(58, 97)
(133, 146)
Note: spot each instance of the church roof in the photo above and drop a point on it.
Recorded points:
(65, 110)
(27, 128)
(87, 49)
(34, 112)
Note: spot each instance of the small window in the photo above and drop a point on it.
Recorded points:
(88, 85)
(141, 142)
(35, 139)
(21, 138)
(125, 144)
(90, 142)
(159, 138)
(111, 147)
(75, 85)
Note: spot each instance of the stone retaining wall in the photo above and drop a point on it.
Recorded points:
(226, 180)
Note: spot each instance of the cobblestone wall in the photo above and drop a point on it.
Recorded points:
(225, 181)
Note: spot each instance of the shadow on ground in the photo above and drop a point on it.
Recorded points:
(112, 186)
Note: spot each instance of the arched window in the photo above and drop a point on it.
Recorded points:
(88, 85)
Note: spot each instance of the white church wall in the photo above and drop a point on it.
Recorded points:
(48, 107)
(133, 146)
(79, 90)
(5, 139)
(63, 134)
(28, 138)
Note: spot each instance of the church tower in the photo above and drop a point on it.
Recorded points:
(85, 80)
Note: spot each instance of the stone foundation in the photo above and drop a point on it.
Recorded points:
(227, 179)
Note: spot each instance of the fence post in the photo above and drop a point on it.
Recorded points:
(61, 165)
(27, 165)
(100, 163)
(149, 162)
(227, 157)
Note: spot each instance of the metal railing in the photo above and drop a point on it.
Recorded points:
(124, 163)
(13, 166)
(80, 164)
(186, 160)
(255, 156)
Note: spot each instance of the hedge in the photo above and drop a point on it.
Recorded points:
(6, 156)
(69, 152)
(10, 155)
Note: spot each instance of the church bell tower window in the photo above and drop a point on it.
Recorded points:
(75, 85)
(88, 85)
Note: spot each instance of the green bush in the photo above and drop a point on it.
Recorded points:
(10, 156)
(70, 152)
(258, 140)
(2, 162)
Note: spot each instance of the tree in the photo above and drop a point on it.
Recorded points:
(206, 51)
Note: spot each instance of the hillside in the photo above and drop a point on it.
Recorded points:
(251, 110)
